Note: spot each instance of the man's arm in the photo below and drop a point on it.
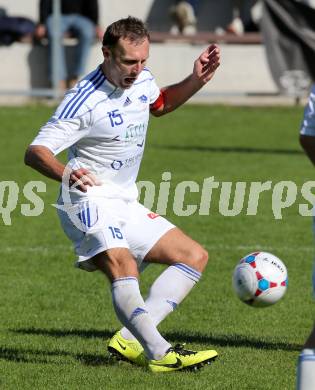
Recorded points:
(43, 160)
(175, 95)
(308, 144)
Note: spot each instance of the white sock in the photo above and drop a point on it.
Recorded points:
(306, 370)
(132, 312)
(168, 291)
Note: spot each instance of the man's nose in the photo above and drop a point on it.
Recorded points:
(137, 67)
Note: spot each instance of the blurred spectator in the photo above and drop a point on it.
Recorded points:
(15, 28)
(242, 17)
(79, 18)
(310, 3)
(183, 14)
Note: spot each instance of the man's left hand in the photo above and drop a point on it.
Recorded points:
(206, 64)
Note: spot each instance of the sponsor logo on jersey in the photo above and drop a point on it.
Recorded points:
(116, 164)
(130, 162)
(135, 133)
(143, 99)
(152, 215)
(127, 102)
(141, 143)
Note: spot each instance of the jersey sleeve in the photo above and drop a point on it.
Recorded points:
(308, 123)
(61, 132)
(154, 91)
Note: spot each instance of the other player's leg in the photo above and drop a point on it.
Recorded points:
(306, 365)
(306, 362)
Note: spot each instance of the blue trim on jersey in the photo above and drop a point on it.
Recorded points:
(150, 79)
(83, 217)
(94, 88)
(88, 217)
(87, 84)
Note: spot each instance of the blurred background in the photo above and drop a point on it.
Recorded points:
(267, 47)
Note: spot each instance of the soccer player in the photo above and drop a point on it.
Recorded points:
(306, 364)
(103, 123)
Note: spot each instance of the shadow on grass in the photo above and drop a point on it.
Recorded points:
(227, 149)
(179, 337)
(232, 341)
(83, 333)
(27, 355)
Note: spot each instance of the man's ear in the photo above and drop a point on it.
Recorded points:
(106, 52)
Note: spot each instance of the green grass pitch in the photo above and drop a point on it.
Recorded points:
(55, 320)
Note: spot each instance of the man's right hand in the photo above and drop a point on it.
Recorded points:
(43, 160)
(82, 179)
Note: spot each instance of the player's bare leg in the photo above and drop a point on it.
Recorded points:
(186, 259)
(176, 247)
(116, 263)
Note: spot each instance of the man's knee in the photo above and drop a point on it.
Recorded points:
(116, 263)
(196, 257)
(201, 258)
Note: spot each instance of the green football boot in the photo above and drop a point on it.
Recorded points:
(127, 350)
(178, 358)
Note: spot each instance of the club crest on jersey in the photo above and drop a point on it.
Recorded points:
(127, 102)
(143, 99)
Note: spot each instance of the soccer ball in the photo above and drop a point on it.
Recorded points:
(260, 279)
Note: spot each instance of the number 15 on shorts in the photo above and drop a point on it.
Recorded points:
(116, 233)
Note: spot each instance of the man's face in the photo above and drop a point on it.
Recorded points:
(125, 62)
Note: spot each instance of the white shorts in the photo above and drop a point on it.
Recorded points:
(103, 224)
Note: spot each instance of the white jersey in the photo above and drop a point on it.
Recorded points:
(308, 124)
(104, 128)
